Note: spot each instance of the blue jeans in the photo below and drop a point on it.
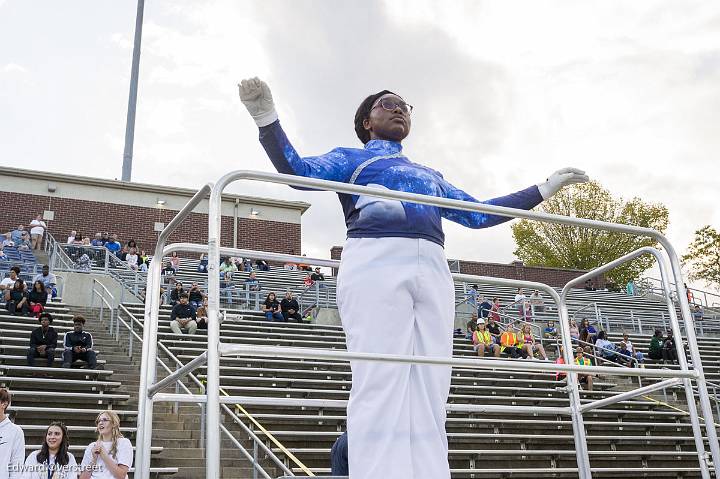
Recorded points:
(276, 316)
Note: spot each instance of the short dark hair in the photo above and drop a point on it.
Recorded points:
(5, 396)
(184, 295)
(363, 113)
(16, 269)
(78, 319)
(44, 316)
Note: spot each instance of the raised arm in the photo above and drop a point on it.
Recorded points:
(524, 199)
(335, 165)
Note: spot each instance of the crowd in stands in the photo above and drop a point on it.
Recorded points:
(108, 457)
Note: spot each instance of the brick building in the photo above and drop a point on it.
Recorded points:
(139, 211)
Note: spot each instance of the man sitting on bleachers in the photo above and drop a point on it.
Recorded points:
(113, 244)
(9, 282)
(43, 341)
(183, 316)
(48, 279)
(78, 345)
(290, 308)
(16, 234)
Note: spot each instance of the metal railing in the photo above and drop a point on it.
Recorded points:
(575, 409)
(106, 300)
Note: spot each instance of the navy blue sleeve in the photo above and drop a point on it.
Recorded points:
(524, 199)
(335, 165)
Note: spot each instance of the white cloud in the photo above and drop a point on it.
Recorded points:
(13, 67)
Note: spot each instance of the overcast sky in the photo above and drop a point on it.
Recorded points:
(505, 92)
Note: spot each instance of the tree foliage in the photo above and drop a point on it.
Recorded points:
(564, 246)
(703, 256)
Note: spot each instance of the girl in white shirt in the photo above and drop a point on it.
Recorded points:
(52, 460)
(111, 455)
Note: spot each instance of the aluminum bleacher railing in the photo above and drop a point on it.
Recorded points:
(216, 349)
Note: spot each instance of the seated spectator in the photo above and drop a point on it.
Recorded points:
(37, 230)
(339, 456)
(290, 308)
(203, 264)
(12, 446)
(669, 352)
(471, 326)
(71, 237)
(16, 301)
(589, 286)
(122, 254)
(592, 332)
(528, 343)
(698, 313)
(574, 331)
(7, 241)
(550, 331)
(318, 278)
(262, 265)
(97, 240)
(43, 341)
(183, 316)
(37, 298)
(78, 345)
(528, 312)
(201, 317)
(111, 456)
(483, 341)
(559, 375)
(307, 281)
(246, 264)
(655, 350)
(3, 256)
(627, 349)
(227, 269)
(132, 244)
(195, 295)
(83, 263)
(24, 244)
(581, 360)
(605, 348)
(16, 234)
(48, 279)
(290, 266)
(586, 341)
(9, 282)
(252, 283)
(537, 302)
(144, 261)
(176, 293)
(113, 245)
(132, 259)
(493, 328)
(175, 261)
(509, 344)
(169, 273)
(271, 308)
(495, 310)
(53, 459)
(484, 308)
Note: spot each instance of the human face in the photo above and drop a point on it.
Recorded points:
(288, 295)
(392, 125)
(104, 424)
(45, 322)
(54, 438)
(77, 326)
(183, 300)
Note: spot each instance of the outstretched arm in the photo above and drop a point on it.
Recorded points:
(256, 96)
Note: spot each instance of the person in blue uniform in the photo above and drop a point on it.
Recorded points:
(395, 293)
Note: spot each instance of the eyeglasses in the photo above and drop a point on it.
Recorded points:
(390, 104)
(102, 420)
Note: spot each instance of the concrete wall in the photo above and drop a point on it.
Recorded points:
(77, 289)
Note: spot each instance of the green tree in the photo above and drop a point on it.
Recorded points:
(703, 256)
(563, 246)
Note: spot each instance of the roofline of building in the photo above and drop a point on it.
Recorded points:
(145, 187)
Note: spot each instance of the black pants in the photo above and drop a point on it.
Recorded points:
(12, 308)
(70, 356)
(33, 353)
(292, 316)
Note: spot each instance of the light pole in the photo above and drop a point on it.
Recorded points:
(132, 100)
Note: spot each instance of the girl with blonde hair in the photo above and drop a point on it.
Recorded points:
(111, 455)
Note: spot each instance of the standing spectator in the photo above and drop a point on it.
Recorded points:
(78, 345)
(37, 230)
(97, 241)
(113, 245)
(71, 237)
(495, 310)
(537, 302)
(271, 308)
(690, 297)
(37, 298)
(111, 456)
(581, 360)
(12, 445)
(16, 301)
(132, 259)
(176, 293)
(43, 341)
(318, 277)
(520, 302)
(509, 343)
(48, 279)
(290, 308)
(627, 349)
(203, 264)
(53, 460)
(484, 308)
(527, 342)
(630, 288)
(183, 316)
(195, 295)
(483, 341)
(8, 283)
(472, 296)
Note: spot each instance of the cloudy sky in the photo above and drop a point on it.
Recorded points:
(504, 94)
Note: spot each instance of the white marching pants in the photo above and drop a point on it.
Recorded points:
(396, 296)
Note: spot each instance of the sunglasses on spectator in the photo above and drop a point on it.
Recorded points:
(389, 104)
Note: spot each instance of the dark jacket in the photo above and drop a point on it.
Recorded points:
(286, 304)
(82, 339)
(175, 294)
(195, 295)
(182, 311)
(37, 297)
(49, 339)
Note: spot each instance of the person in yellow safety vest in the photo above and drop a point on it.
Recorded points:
(509, 343)
(483, 341)
(581, 360)
(527, 343)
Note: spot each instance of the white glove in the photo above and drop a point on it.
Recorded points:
(256, 96)
(563, 177)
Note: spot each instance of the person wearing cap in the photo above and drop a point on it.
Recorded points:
(43, 341)
(483, 341)
(78, 345)
(318, 278)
